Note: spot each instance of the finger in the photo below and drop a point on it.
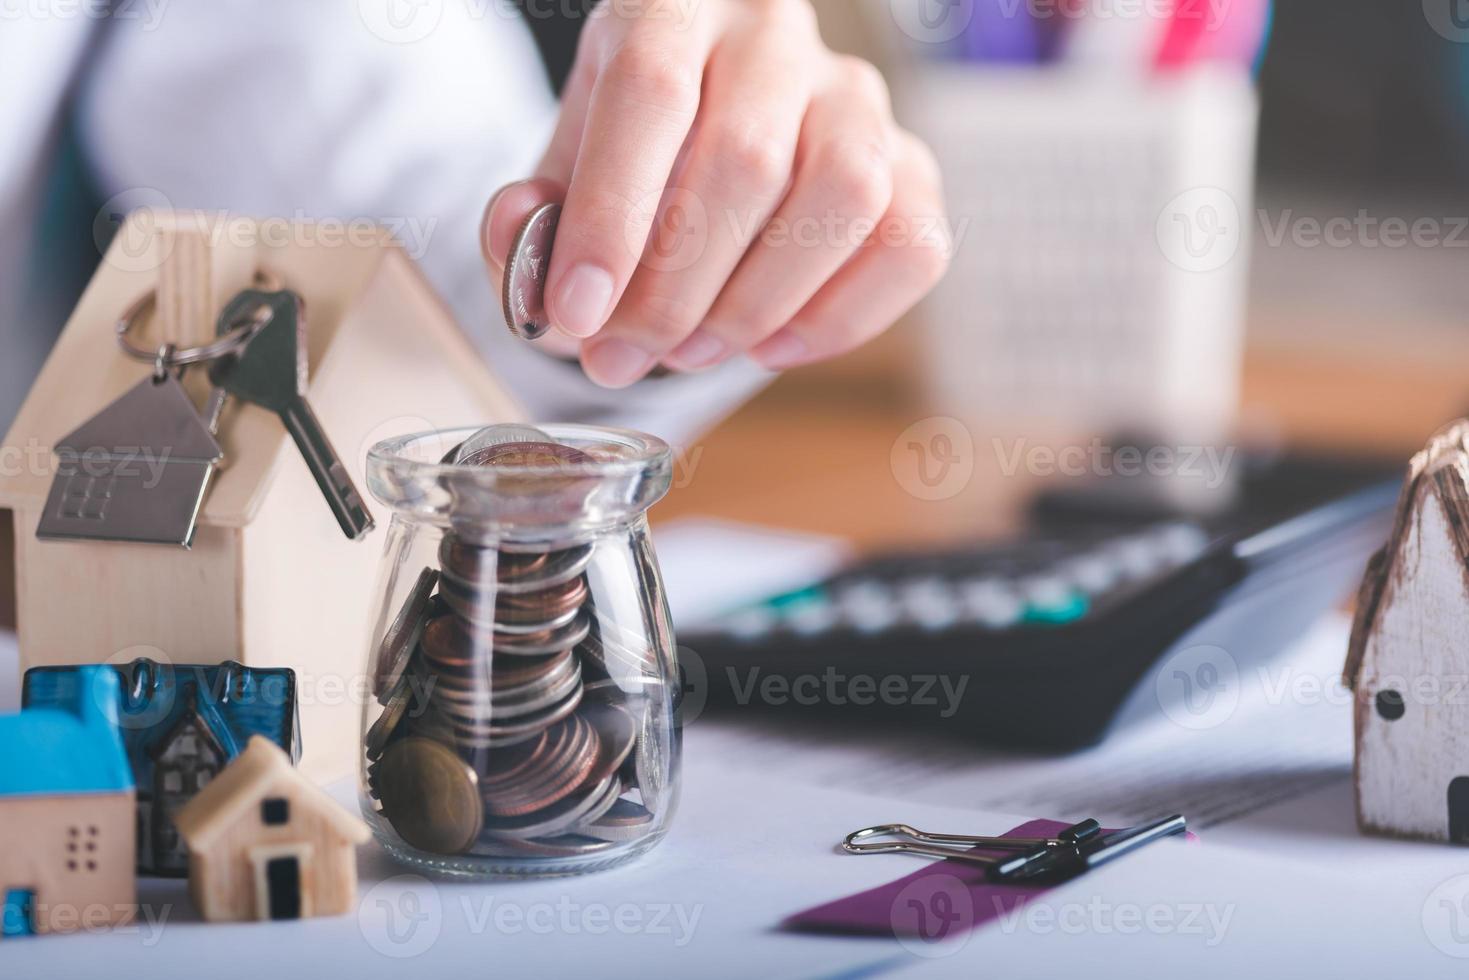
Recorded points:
(844, 184)
(640, 109)
(899, 263)
(506, 214)
(560, 156)
(736, 168)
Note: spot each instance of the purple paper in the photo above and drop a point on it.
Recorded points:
(941, 899)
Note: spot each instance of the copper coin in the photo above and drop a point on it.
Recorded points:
(527, 455)
(517, 575)
(498, 435)
(515, 762)
(543, 606)
(382, 729)
(567, 757)
(396, 648)
(446, 643)
(524, 294)
(430, 796)
(472, 604)
(510, 682)
(486, 732)
(500, 707)
(542, 642)
(481, 565)
(512, 705)
(625, 821)
(547, 608)
(510, 673)
(586, 805)
(615, 731)
(510, 572)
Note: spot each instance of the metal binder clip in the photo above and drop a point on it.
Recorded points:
(1073, 851)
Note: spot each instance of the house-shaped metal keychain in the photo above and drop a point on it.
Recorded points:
(137, 471)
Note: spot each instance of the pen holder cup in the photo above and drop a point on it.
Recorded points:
(523, 717)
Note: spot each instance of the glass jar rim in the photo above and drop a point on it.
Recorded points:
(643, 450)
(627, 473)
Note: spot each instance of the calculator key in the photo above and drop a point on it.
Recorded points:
(992, 603)
(1182, 543)
(1046, 590)
(868, 607)
(1137, 557)
(750, 624)
(1065, 609)
(811, 618)
(930, 604)
(1094, 574)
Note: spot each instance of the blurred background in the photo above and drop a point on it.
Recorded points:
(1325, 153)
(1185, 223)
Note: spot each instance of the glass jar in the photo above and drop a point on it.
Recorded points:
(522, 665)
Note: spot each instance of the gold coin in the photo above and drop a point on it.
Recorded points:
(430, 795)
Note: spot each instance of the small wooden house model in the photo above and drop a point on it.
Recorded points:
(66, 814)
(266, 843)
(180, 725)
(1408, 658)
(270, 579)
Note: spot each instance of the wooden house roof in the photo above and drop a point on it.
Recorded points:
(258, 771)
(361, 287)
(1443, 469)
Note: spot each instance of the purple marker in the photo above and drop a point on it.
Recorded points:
(1003, 31)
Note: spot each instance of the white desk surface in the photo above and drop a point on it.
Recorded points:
(1289, 887)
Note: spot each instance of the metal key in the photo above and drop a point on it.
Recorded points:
(271, 372)
(251, 308)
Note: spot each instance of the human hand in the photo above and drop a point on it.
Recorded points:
(730, 186)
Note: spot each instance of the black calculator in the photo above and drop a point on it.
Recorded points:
(1050, 639)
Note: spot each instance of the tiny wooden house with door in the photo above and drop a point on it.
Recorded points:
(180, 725)
(270, 579)
(1408, 659)
(265, 843)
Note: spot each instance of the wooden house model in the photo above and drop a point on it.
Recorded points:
(66, 815)
(266, 843)
(270, 579)
(1408, 658)
(180, 725)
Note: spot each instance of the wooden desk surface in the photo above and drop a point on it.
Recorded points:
(813, 451)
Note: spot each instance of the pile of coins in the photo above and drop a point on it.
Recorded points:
(502, 731)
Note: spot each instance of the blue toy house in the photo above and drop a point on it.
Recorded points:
(180, 725)
(66, 812)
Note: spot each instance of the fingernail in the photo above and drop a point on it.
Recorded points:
(582, 300)
(699, 350)
(785, 349)
(615, 363)
(495, 247)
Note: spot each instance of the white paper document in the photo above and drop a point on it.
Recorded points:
(1279, 883)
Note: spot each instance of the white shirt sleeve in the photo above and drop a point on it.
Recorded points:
(411, 112)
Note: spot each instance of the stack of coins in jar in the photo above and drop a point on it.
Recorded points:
(519, 717)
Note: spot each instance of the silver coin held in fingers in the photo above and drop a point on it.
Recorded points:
(525, 273)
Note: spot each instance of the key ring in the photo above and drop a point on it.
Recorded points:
(168, 356)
